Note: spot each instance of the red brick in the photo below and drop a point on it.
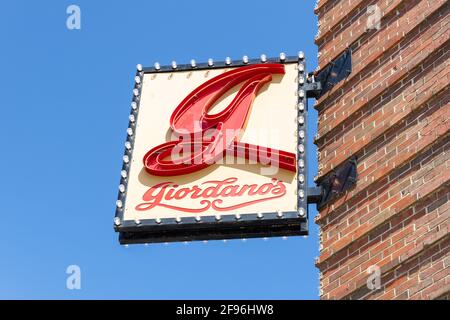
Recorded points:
(391, 112)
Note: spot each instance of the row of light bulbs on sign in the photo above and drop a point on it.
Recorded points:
(228, 61)
(284, 238)
(128, 144)
(218, 218)
(301, 134)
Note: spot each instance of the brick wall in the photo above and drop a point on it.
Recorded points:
(393, 113)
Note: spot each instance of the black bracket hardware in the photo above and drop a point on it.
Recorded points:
(344, 177)
(313, 89)
(335, 71)
(314, 194)
(339, 181)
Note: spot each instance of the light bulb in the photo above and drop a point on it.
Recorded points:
(301, 120)
(301, 178)
(301, 148)
(301, 163)
(301, 134)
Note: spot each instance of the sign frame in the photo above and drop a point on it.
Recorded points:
(269, 224)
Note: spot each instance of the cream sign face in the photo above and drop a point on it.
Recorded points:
(214, 151)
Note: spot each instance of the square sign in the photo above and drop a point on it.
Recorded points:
(215, 151)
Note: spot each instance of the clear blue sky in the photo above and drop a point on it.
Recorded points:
(64, 99)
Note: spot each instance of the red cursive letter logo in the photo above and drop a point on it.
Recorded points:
(191, 122)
